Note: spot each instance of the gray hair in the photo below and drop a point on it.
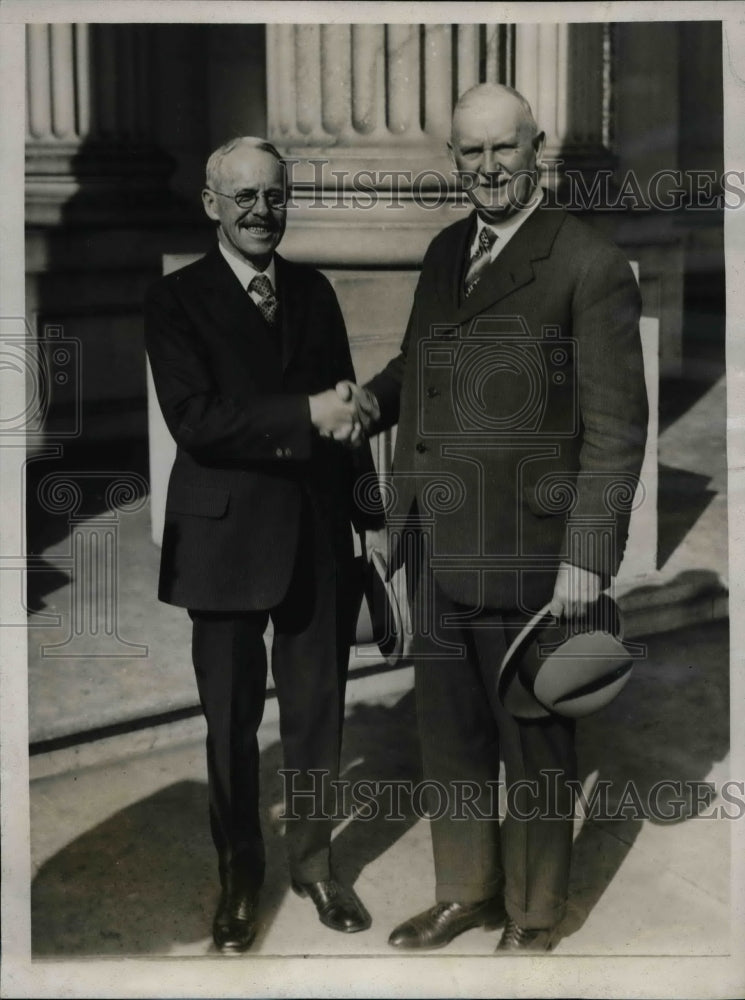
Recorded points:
(214, 163)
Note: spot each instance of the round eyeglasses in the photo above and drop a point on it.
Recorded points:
(274, 198)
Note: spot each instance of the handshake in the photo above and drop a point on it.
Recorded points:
(345, 413)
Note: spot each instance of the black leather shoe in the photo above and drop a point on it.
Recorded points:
(438, 925)
(517, 939)
(234, 926)
(338, 908)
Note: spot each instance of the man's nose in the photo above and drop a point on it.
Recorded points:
(490, 163)
(261, 205)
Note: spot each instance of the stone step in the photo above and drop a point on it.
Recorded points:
(693, 598)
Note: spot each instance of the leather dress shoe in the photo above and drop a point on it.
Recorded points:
(438, 925)
(338, 908)
(234, 926)
(517, 939)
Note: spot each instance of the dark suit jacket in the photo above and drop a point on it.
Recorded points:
(234, 394)
(523, 409)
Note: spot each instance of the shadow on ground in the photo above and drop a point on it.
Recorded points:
(682, 498)
(139, 882)
(670, 724)
(144, 881)
(87, 468)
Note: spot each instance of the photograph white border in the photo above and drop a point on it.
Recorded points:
(409, 976)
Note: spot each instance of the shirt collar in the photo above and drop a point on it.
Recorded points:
(244, 271)
(509, 227)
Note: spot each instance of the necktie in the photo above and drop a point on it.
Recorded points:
(480, 259)
(267, 304)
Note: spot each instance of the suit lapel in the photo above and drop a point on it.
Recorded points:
(513, 267)
(292, 309)
(447, 274)
(234, 310)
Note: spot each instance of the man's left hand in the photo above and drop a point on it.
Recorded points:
(575, 590)
(366, 406)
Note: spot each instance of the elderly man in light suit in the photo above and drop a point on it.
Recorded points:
(520, 380)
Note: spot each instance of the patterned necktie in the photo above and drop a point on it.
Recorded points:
(267, 304)
(480, 259)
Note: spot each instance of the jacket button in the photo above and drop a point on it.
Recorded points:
(432, 391)
(421, 447)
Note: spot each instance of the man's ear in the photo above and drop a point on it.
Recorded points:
(209, 201)
(538, 144)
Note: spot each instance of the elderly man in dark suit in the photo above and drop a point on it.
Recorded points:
(521, 406)
(246, 349)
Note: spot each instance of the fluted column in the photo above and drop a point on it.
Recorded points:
(344, 86)
(563, 70)
(385, 93)
(89, 138)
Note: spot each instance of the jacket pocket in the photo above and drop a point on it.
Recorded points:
(201, 501)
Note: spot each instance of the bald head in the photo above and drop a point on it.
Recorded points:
(498, 101)
(241, 142)
(495, 144)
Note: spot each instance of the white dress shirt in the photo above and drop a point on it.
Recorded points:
(246, 272)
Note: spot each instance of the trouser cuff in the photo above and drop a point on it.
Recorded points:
(316, 868)
(467, 892)
(534, 919)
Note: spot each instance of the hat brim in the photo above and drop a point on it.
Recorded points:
(580, 674)
(380, 621)
(512, 692)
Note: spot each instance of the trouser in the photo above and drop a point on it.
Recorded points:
(463, 731)
(310, 655)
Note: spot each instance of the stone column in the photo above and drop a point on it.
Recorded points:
(369, 105)
(383, 95)
(89, 144)
(564, 71)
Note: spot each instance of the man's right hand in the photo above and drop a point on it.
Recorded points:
(332, 416)
(366, 405)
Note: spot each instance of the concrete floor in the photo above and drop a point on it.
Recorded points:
(123, 863)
